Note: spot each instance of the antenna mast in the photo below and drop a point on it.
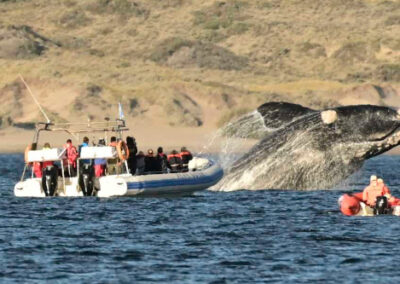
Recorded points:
(34, 98)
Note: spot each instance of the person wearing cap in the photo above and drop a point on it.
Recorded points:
(150, 163)
(372, 191)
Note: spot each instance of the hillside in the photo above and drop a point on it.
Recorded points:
(193, 64)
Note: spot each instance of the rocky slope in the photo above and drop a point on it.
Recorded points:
(193, 63)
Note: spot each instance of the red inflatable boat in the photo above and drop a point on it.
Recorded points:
(352, 204)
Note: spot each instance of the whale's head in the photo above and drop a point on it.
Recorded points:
(366, 129)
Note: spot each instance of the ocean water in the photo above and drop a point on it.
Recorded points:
(264, 236)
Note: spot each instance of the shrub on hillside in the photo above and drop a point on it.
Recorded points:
(354, 52)
(225, 17)
(388, 72)
(73, 19)
(312, 49)
(167, 48)
(392, 20)
(17, 44)
(181, 53)
(123, 8)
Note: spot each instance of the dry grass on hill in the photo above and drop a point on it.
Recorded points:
(194, 63)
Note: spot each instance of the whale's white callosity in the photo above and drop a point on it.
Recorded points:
(304, 149)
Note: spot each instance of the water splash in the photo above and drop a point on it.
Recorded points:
(232, 140)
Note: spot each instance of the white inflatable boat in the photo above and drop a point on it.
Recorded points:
(202, 174)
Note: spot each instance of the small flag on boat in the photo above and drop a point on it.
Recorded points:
(121, 113)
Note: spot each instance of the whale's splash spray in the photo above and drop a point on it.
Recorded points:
(230, 141)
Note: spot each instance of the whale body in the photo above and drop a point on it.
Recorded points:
(307, 149)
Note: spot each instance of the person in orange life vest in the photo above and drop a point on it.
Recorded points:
(72, 156)
(372, 191)
(113, 166)
(384, 188)
(186, 156)
(174, 162)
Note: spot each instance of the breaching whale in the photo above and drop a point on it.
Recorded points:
(309, 149)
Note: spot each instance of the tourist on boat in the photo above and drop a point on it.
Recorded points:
(47, 146)
(112, 164)
(162, 162)
(131, 143)
(85, 143)
(113, 141)
(150, 163)
(374, 190)
(175, 162)
(72, 156)
(140, 163)
(186, 156)
(37, 169)
(100, 164)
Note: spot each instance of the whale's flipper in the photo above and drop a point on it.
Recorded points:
(278, 114)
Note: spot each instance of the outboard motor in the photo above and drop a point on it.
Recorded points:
(49, 180)
(86, 179)
(381, 205)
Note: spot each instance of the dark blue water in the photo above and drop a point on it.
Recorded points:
(212, 237)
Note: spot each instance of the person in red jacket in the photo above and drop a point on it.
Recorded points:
(373, 190)
(72, 156)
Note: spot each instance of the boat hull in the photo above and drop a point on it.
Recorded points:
(128, 185)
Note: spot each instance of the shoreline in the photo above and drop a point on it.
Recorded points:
(196, 140)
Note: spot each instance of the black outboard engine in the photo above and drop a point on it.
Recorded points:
(49, 180)
(86, 179)
(381, 205)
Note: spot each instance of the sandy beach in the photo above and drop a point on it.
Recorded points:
(202, 139)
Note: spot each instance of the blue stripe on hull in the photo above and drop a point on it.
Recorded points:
(177, 182)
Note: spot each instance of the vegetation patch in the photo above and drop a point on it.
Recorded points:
(176, 52)
(393, 20)
(353, 52)
(74, 19)
(185, 111)
(314, 50)
(224, 18)
(124, 8)
(388, 72)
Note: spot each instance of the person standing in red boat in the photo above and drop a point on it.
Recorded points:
(373, 190)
